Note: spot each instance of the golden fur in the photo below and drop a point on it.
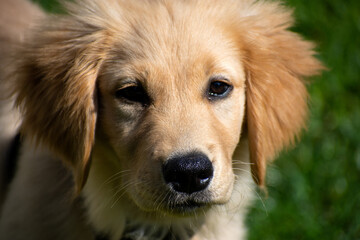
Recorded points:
(70, 67)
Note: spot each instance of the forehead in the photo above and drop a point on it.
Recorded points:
(173, 40)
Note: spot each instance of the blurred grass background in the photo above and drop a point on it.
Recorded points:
(314, 189)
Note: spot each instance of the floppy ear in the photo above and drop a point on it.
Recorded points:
(276, 61)
(55, 88)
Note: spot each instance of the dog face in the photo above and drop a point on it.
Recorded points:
(171, 106)
(165, 85)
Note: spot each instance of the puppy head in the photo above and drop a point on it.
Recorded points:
(173, 80)
(172, 102)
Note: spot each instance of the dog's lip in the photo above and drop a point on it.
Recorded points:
(187, 203)
(188, 206)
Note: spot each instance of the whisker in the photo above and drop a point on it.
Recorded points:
(243, 170)
(262, 202)
(241, 162)
(117, 176)
(120, 190)
(161, 197)
(114, 177)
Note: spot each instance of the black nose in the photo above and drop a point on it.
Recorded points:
(189, 173)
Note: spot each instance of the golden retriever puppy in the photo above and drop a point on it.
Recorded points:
(146, 119)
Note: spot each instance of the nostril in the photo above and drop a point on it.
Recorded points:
(190, 173)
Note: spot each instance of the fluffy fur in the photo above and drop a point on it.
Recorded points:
(91, 162)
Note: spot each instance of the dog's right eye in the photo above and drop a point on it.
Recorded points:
(219, 88)
(133, 94)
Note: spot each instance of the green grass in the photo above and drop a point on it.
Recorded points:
(314, 189)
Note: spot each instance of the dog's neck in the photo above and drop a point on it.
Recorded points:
(145, 233)
(150, 232)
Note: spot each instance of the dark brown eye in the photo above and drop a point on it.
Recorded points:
(218, 89)
(133, 94)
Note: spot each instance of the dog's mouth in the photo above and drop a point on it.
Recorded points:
(185, 204)
(178, 204)
(188, 206)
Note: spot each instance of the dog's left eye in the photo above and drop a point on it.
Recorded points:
(219, 89)
(133, 94)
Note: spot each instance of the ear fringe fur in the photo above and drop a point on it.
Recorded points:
(54, 88)
(276, 61)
